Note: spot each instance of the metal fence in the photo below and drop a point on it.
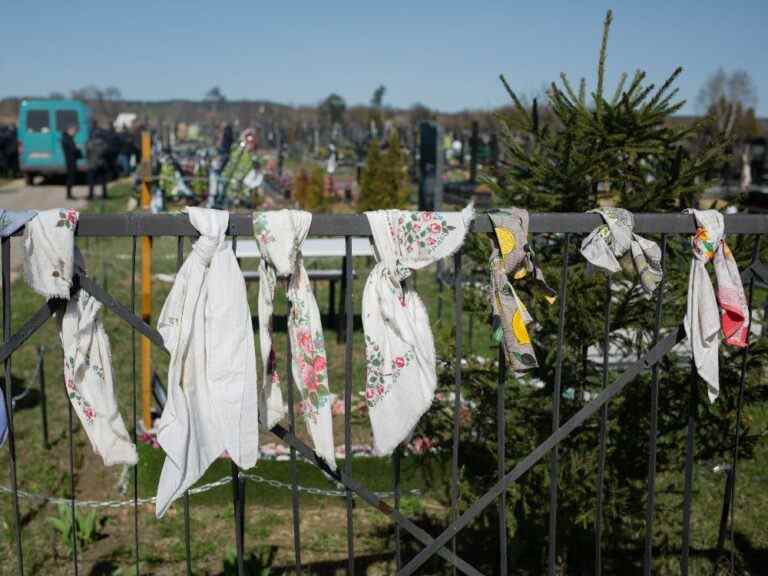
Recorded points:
(444, 545)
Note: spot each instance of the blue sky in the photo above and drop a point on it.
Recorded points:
(446, 54)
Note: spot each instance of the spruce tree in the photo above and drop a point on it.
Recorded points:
(309, 189)
(385, 180)
(619, 146)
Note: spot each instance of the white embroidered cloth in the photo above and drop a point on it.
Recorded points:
(212, 383)
(280, 234)
(89, 382)
(49, 244)
(401, 376)
(611, 241)
(702, 320)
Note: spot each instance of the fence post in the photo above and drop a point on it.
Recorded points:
(146, 285)
(43, 399)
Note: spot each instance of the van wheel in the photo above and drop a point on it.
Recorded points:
(29, 178)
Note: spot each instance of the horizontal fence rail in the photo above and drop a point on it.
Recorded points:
(241, 224)
(445, 543)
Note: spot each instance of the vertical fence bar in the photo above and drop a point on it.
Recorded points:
(721, 532)
(134, 411)
(688, 489)
(653, 431)
(43, 397)
(501, 451)
(396, 462)
(740, 400)
(458, 305)
(396, 494)
(439, 274)
(185, 501)
(553, 461)
(238, 484)
(294, 465)
(6, 249)
(71, 428)
(348, 333)
(602, 432)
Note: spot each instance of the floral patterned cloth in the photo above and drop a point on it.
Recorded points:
(512, 255)
(49, 244)
(10, 222)
(212, 404)
(702, 321)
(401, 375)
(88, 380)
(280, 234)
(615, 239)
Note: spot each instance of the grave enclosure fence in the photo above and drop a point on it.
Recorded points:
(135, 226)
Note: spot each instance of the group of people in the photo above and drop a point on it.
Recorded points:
(105, 153)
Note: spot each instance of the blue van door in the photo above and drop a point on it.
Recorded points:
(39, 139)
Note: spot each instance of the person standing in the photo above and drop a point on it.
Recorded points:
(225, 143)
(96, 151)
(71, 155)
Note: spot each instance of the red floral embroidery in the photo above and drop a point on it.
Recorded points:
(310, 355)
(89, 413)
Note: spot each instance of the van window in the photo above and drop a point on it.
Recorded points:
(65, 119)
(38, 121)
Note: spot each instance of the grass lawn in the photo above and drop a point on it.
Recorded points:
(268, 515)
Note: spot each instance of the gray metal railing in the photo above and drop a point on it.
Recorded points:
(444, 545)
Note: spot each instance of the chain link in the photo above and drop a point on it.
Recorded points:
(113, 504)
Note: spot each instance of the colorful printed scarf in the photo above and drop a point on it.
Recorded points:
(400, 351)
(512, 255)
(702, 321)
(212, 404)
(610, 242)
(280, 235)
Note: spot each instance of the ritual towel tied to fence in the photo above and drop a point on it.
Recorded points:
(49, 266)
(702, 320)
(400, 351)
(212, 383)
(280, 235)
(10, 222)
(89, 381)
(610, 242)
(49, 252)
(136, 225)
(512, 255)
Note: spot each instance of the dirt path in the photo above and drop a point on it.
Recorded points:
(17, 195)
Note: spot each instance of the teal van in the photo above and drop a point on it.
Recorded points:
(41, 123)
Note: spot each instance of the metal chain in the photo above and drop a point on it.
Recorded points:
(197, 490)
